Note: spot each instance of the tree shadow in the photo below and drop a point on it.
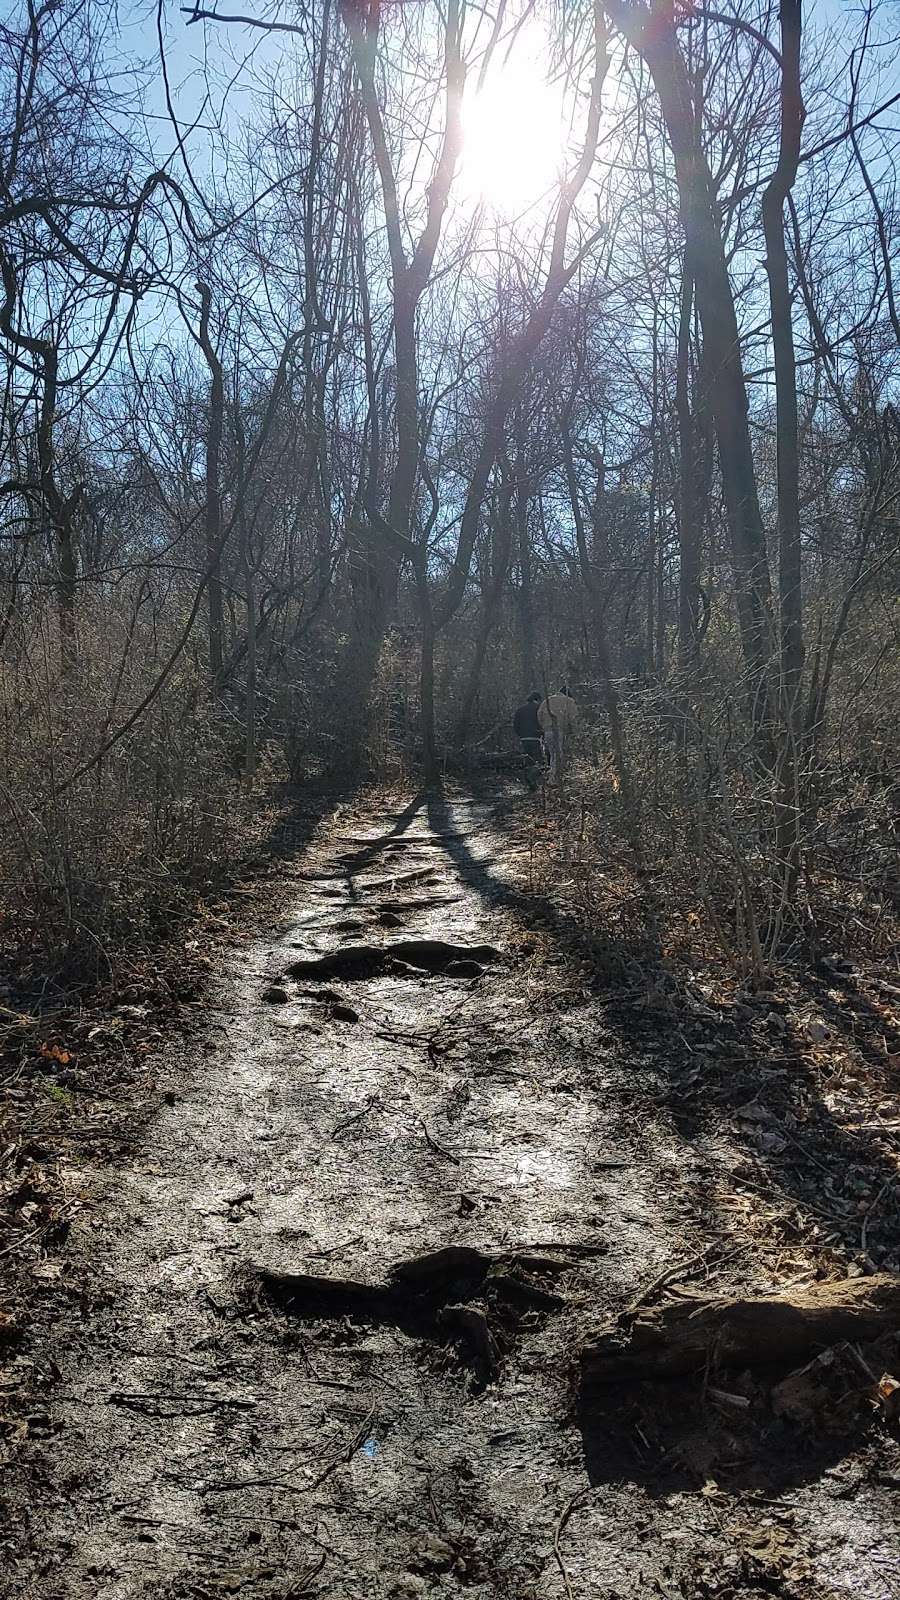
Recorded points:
(676, 1435)
(303, 808)
(759, 1074)
(358, 860)
(780, 1099)
(611, 956)
(760, 1078)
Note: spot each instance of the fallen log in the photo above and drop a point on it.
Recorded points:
(737, 1331)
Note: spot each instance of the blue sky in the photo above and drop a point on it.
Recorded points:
(190, 48)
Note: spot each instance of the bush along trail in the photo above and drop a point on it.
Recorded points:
(428, 1278)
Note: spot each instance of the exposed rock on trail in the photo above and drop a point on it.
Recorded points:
(364, 960)
(323, 1333)
(418, 1295)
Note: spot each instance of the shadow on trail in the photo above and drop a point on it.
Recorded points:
(762, 1077)
(611, 958)
(362, 858)
(781, 1099)
(760, 1084)
(304, 809)
(674, 1436)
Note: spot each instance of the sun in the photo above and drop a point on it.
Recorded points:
(513, 137)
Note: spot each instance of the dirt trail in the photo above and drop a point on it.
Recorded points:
(226, 1422)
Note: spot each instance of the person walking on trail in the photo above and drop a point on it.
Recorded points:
(527, 728)
(557, 719)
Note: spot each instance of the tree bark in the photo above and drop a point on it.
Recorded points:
(492, 595)
(526, 591)
(393, 536)
(57, 510)
(787, 445)
(652, 34)
(212, 521)
(630, 806)
(688, 530)
(250, 726)
(681, 1338)
(426, 674)
(526, 344)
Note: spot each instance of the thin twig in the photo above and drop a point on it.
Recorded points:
(348, 1451)
(568, 1510)
(357, 1116)
(675, 1271)
(864, 1232)
(441, 1150)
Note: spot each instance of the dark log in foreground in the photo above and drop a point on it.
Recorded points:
(681, 1338)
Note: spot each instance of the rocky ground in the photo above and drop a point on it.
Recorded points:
(318, 1331)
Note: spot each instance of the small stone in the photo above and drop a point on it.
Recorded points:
(769, 1144)
(889, 1395)
(435, 1551)
(276, 995)
(341, 1012)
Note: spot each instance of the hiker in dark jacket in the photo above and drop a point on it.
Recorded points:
(528, 730)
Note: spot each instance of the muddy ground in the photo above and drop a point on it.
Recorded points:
(318, 1335)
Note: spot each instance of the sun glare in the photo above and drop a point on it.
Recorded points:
(513, 137)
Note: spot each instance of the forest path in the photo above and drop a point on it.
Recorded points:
(282, 1389)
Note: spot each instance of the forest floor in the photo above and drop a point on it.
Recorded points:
(315, 1329)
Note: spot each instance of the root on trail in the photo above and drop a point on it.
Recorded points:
(436, 1277)
(470, 1325)
(419, 875)
(364, 960)
(413, 875)
(456, 1290)
(360, 843)
(686, 1336)
(423, 903)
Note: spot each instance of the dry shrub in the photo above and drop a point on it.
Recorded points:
(712, 876)
(118, 854)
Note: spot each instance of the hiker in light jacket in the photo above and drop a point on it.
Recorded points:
(558, 718)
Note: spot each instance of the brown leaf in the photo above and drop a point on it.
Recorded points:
(55, 1052)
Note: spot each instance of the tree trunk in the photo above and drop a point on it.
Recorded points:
(630, 804)
(654, 531)
(688, 531)
(527, 625)
(66, 587)
(213, 510)
(387, 543)
(653, 35)
(788, 451)
(426, 680)
(56, 510)
(250, 729)
(526, 343)
(490, 606)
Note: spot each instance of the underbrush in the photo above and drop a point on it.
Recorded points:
(797, 1058)
(101, 856)
(693, 866)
